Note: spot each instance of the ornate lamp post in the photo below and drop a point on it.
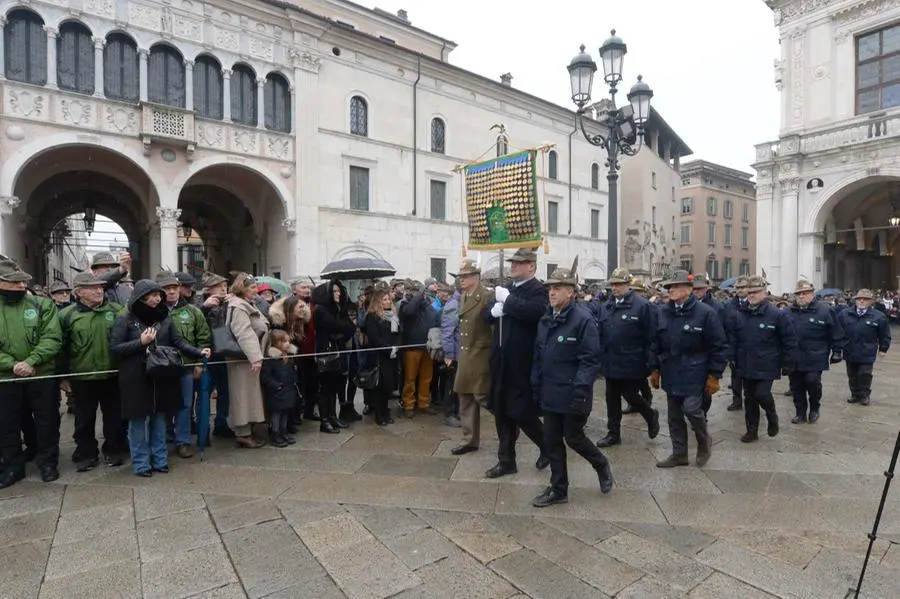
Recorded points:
(89, 218)
(624, 126)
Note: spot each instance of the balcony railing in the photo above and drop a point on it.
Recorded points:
(858, 131)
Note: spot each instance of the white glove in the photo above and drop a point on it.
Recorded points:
(393, 353)
(501, 293)
(497, 310)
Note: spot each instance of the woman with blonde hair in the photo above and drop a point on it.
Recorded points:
(377, 328)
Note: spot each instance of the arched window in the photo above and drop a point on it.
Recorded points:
(359, 116)
(75, 58)
(552, 160)
(595, 176)
(278, 103)
(121, 72)
(165, 76)
(438, 136)
(25, 48)
(208, 87)
(243, 95)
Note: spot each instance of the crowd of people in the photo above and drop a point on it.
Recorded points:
(527, 351)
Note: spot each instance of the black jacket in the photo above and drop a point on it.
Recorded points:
(416, 318)
(332, 321)
(279, 382)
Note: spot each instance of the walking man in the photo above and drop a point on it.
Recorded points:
(730, 312)
(868, 333)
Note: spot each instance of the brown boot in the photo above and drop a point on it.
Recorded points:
(704, 448)
(674, 460)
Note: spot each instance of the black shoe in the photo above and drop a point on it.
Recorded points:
(144, 474)
(853, 400)
(349, 413)
(326, 427)
(604, 475)
(288, 439)
(798, 419)
(388, 419)
(772, 429)
(223, 432)
(549, 497)
(653, 425)
(113, 460)
(542, 462)
(463, 449)
(864, 401)
(501, 470)
(338, 423)
(749, 437)
(49, 473)
(313, 417)
(609, 440)
(813, 417)
(277, 441)
(736, 406)
(367, 410)
(11, 477)
(87, 465)
(160, 469)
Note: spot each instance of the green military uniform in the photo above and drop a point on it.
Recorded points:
(30, 339)
(191, 324)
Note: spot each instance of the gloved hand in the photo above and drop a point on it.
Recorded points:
(787, 370)
(712, 385)
(393, 353)
(580, 406)
(654, 379)
(836, 356)
(497, 310)
(501, 293)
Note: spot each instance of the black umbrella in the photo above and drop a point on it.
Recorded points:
(350, 269)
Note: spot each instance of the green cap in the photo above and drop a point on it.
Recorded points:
(11, 273)
(87, 279)
(167, 279)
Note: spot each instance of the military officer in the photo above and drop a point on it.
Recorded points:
(703, 295)
(639, 287)
(763, 346)
(818, 333)
(473, 371)
(627, 328)
(868, 333)
(566, 358)
(729, 312)
(691, 355)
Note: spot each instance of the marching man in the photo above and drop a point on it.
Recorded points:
(868, 333)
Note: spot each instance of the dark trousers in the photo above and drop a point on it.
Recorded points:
(645, 390)
(219, 374)
(705, 402)
(309, 378)
(29, 431)
(378, 401)
(41, 398)
(347, 392)
(331, 384)
(681, 408)
(89, 395)
(806, 385)
(860, 378)
(568, 428)
(508, 433)
(616, 389)
(450, 397)
(757, 394)
(439, 384)
(737, 387)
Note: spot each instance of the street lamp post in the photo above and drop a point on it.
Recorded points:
(624, 126)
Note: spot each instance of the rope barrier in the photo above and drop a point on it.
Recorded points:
(70, 375)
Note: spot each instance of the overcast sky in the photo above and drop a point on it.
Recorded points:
(709, 62)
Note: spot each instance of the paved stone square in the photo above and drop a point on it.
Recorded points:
(375, 513)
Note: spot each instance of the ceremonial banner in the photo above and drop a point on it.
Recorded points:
(502, 203)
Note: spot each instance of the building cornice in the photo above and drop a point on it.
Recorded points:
(701, 166)
(790, 11)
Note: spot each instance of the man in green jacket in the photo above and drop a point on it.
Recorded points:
(86, 327)
(30, 339)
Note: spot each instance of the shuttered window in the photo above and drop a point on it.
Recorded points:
(165, 76)
(208, 99)
(278, 103)
(25, 48)
(121, 72)
(243, 95)
(75, 58)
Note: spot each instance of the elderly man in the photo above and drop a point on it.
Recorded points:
(112, 272)
(566, 359)
(729, 314)
(691, 355)
(868, 333)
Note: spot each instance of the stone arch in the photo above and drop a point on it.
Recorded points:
(825, 202)
(355, 250)
(594, 269)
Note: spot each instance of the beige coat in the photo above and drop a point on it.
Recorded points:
(251, 329)
(473, 374)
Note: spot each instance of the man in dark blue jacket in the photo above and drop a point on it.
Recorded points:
(701, 292)
(818, 333)
(729, 315)
(691, 355)
(763, 345)
(627, 328)
(868, 333)
(566, 357)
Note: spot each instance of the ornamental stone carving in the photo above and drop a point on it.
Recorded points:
(798, 9)
(211, 135)
(25, 103)
(305, 60)
(168, 217)
(261, 49)
(76, 111)
(8, 204)
(227, 39)
(144, 16)
(779, 74)
(790, 186)
(101, 8)
(121, 120)
(797, 42)
(278, 148)
(290, 225)
(864, 9)
(244, 141)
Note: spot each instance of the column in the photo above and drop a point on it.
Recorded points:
(189, 84)
(261, 102)
(765, 218)
(810, 248)
(2, 46)
(52, 34)
(226, 95)
(7, 206)
(99, 43)
(143, 55)
(168, 237)
(789, 233)
(304, 225)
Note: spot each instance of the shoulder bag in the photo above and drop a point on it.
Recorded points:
(330, 362)
(163, 361)
(224, 342)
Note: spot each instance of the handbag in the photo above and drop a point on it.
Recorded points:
(224, 343)
(163, 361)
(368, 378)
(330, 362)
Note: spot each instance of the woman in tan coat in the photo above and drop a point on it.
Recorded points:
(251, 329)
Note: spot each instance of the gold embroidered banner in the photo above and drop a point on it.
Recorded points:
(502, 202)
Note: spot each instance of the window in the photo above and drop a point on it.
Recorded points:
(711, 233)
(686, 234)
(359, 116)
(438, 135)
(552, 216)
(653, 179)
(653, 216)
(878, 70)
(727, 240)
(243, 95)
(25, 47)
(726, 273)
(745, 238)
(277, 96)
(595, 223)
(745, 267)
(595, 176)
(745, 216)
(165, 76)
(359, 188)
(712, 268)
(439, 268)
(208, 97)
(121, 73)
(552, 164)
(75, 58)
(712, 205)
(729, 209)
(438, 200)
(551, 268)
(687, 205)
(687, 263)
